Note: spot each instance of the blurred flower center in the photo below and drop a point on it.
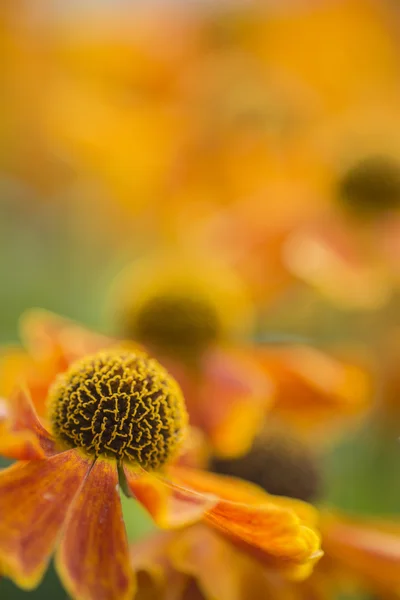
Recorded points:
(178, 324)
(119, 405)
(280, 465)
(371, 187)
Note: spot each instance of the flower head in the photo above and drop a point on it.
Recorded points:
(120, 405)
(116, 416)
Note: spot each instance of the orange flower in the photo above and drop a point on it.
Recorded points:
(191, 315)
(117, 417)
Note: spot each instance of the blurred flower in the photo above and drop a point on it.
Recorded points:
(192, 315)
(348, 250)
(117, 417)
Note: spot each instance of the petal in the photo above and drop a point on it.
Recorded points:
(156, 578)
(369, 549)
(34, 498)
(228, 399)
(170, 505)
(13, 363)
(93, 557)
(48, 334)
(238, 393)
(220, 569)
(315, 391)
(22, 435)
(262, 524)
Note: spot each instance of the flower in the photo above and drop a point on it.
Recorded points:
(349, 250)
(193, 316)
(117, 418)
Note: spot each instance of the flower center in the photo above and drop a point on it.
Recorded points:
(371, 187)
(175, 323)
(281, 466)
(120, 405)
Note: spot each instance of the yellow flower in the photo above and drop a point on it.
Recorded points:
(117, 417)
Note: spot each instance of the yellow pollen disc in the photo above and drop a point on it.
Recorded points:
(121, 405)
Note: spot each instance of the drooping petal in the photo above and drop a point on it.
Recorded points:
(22, 436)
(169, 504)
(34, 499)
(263, 525)
(93, 557)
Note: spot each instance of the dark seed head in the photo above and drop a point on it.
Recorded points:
(371, 187)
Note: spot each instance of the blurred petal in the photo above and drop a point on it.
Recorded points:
(170, 505)
(48, 334)
(231, 389)
(34, 499)
(93, 557)
(262, 525)
(22, 435)
(368, 549)
(238, 393)
(314, 390)
(13, 363)
(156, 578)
(221, 570)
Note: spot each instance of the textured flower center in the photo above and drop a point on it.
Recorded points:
(371, 187)
(121, 405)
(180, 324)
(280, 466)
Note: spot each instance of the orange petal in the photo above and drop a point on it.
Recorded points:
(22, 435)
(369, 549)
(156, 578)
(261, 524)
(34, 498)
(93, 557)
(313, 390)
(14, 362)
(221, 570)
(170, 505)
(48, 334)
(230, 401)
